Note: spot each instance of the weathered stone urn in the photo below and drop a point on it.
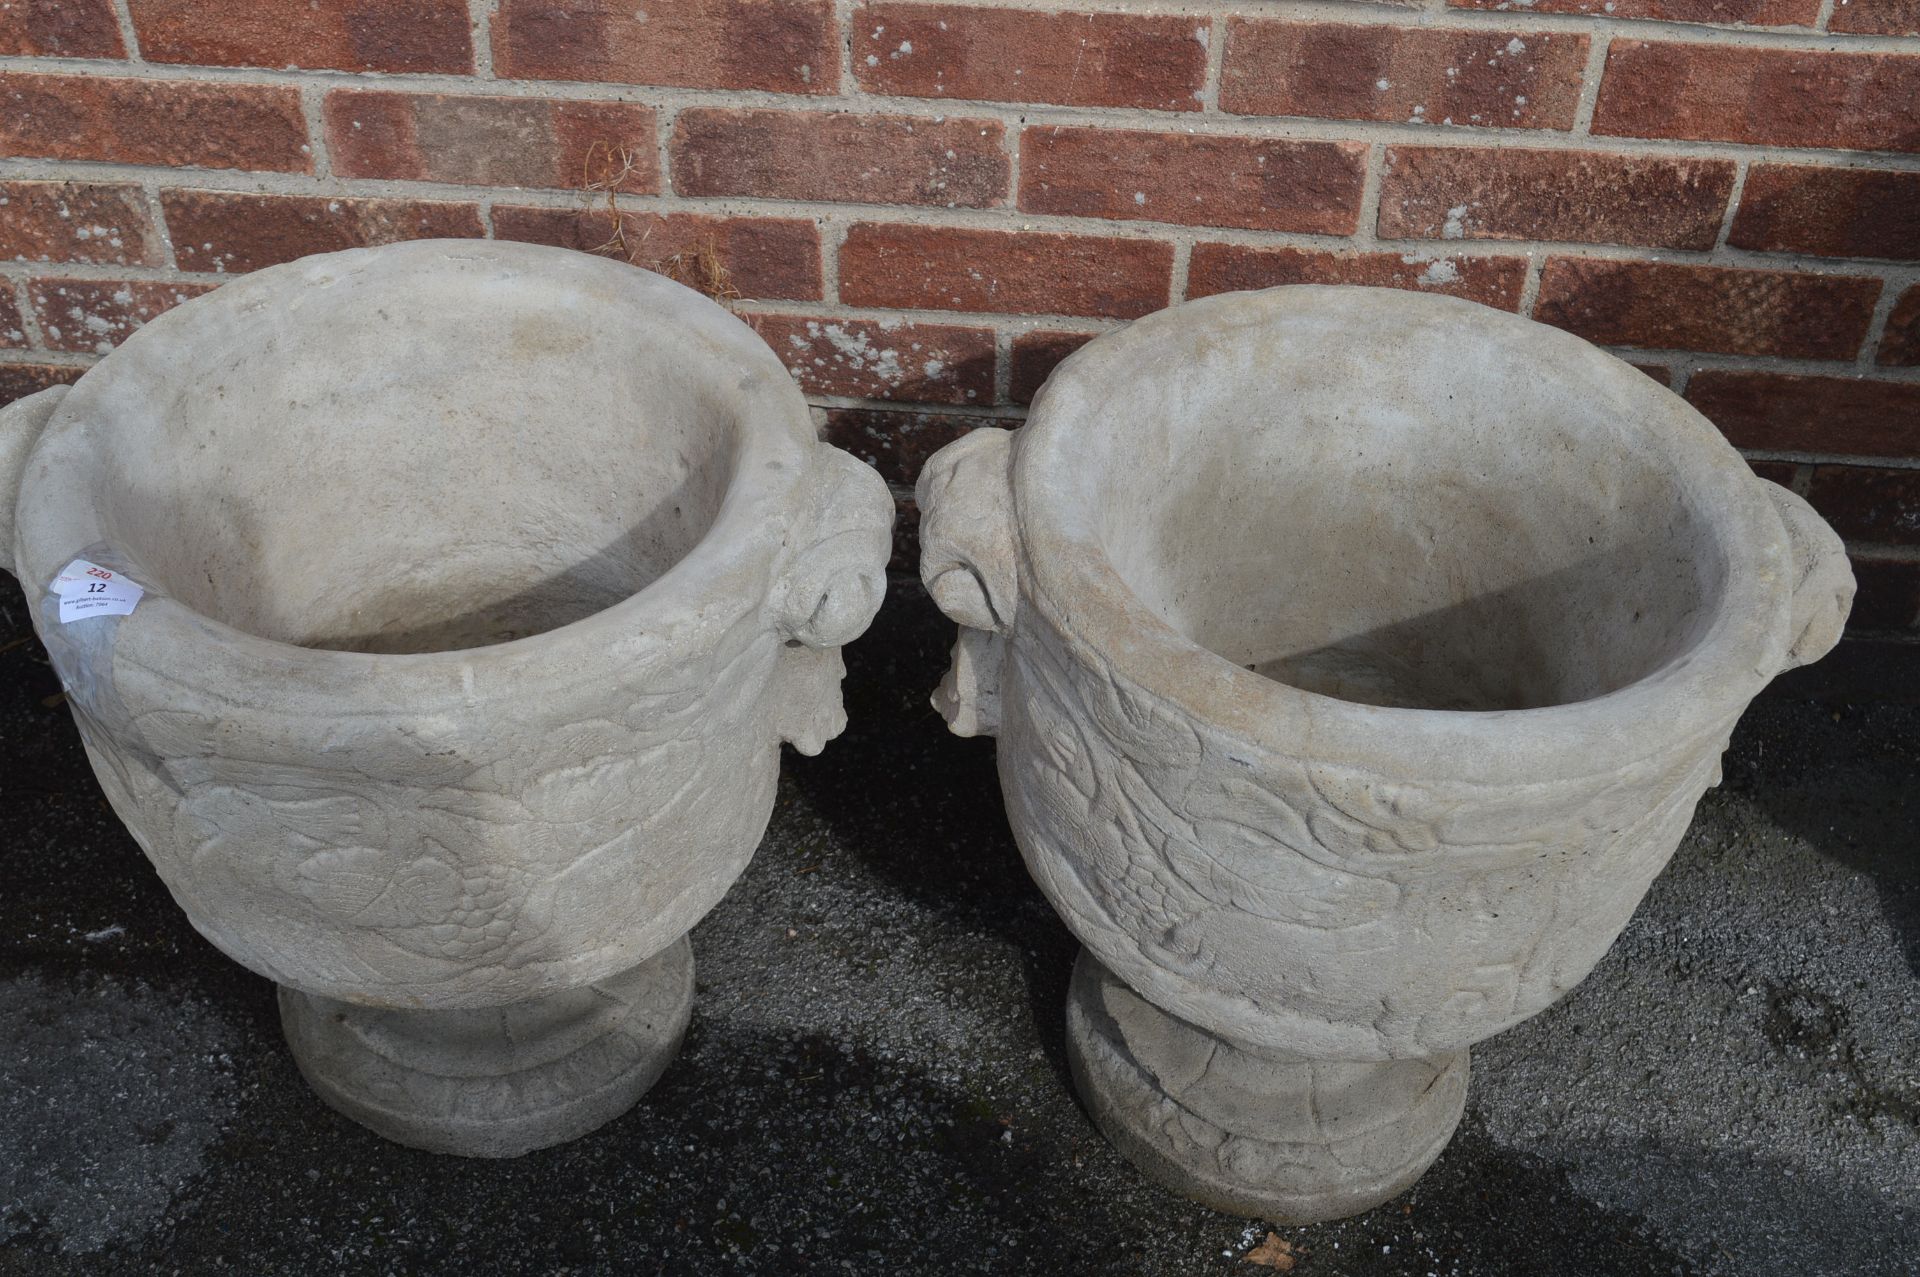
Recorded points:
(1357, 659)
(482, 583)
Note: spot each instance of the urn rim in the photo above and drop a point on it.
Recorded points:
(723, 575)
(1067, 573)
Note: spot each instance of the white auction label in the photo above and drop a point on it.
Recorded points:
(87, 589)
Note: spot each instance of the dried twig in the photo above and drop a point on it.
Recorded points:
(700, 268)
(619, 169)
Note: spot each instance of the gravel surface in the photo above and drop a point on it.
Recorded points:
(874, 1081)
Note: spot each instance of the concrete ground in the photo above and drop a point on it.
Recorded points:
(874, 1079)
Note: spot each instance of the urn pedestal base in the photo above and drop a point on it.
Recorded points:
(498, 1081)
(1294, 1141)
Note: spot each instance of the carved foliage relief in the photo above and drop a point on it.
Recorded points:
(1311, 907)
(569, 832)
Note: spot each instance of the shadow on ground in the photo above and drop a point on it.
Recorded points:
(1847, 781)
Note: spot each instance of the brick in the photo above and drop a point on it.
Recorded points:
(1876, 17)
(1008, 273)
(1754, 13)
(859, 159)
(1659, 372)
(764, 257)
(1035, 355)
(17, 381)
(781, 46)
(92, 316)
(1900, 345)
(342, 35)
(897, 444)
(492, 141)
(76, 222)
(1144, 61)
(1430, 192)
(1499, 79)
(60, 29)
(1665, 306)
(170, 122)
(13, 331)
(1764, 96)
(1868, 503)
(1889, 592)
(1491, 281)
(883, 359)
(1829, 212)
(1780, 472)
(232, 233)
(1791, 412)
(1198, 180)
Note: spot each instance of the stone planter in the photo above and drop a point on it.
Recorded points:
(483, 582)
(1357, 659)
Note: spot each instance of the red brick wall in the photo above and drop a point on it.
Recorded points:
(924, 206)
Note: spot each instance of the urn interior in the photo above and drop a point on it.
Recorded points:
(1452, 528)
(389, 498)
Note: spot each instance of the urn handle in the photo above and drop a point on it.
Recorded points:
(20, 425)
(1822, 582)
(836, 573)
(969, 564)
